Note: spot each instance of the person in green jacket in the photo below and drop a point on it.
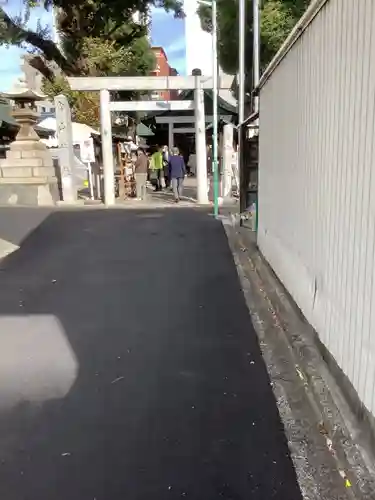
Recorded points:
(156, 167)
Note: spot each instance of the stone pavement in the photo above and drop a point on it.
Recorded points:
(164, 199)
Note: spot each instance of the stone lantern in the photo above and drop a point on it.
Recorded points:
(27, 174)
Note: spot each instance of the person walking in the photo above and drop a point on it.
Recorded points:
(166, 167)
(140, 174)
(177, 172)
(156, 166)
(192, 164)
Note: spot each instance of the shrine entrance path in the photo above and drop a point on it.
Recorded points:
(129, 365)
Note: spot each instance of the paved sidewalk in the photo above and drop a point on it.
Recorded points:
(164, 198)
(129, 366)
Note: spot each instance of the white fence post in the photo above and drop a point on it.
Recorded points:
(227, 155)
(106, 136)
(200, 143)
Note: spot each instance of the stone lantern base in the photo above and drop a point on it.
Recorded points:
(27, 175)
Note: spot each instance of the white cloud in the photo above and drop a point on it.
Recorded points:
(177, 46)
(180, 65)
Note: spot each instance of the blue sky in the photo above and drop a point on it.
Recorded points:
(169, 33)
(11, 57)
(166, 32)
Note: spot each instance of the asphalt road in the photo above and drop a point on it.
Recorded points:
(129, 367)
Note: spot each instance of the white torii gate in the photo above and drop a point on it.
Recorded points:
(171, 121)
(117, 83)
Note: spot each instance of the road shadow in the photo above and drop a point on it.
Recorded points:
(153, 385)
(17, 222)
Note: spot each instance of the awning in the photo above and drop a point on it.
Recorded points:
(144, 131)
(227, 105)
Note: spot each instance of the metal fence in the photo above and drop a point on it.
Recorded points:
(317, 179)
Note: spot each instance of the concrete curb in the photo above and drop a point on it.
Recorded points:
(335, 422)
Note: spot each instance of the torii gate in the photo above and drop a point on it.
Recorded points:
(117, 83)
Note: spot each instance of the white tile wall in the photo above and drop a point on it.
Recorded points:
(317, 182)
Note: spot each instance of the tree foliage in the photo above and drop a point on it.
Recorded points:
(277, 19)
(84, 105)
(96, 38)
(100, 58)
(77, 21)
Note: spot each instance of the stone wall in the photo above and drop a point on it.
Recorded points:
(27, 176)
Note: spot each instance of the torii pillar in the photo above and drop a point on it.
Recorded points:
(107, 84)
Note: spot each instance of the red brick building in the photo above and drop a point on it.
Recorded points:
(162, 68)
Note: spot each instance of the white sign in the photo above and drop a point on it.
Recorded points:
(87, 151)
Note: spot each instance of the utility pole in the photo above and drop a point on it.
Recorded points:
(215, 72)
(241, 97)
(241, 60)
(256, 74)
(215, 166)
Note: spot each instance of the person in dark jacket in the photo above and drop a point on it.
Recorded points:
(177, 172)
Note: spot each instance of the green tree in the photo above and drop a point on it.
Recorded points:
(78, 20)
(96, 38)
(277, 19)
(84, 105)
(100, 58)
